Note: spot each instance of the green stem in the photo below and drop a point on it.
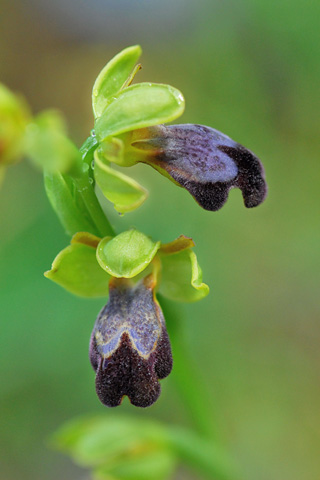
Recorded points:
(201, 455)
(63, 203)
(85, 187)
(86, 190)
(195, 396)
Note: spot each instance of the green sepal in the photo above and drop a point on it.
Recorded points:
(181, 277)
(76, 269)
(127, 254)
(138, 106)
(66, 203)
(125, 193)
(113, 77)
(47, 145)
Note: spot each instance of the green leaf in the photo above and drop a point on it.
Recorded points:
(118, 447)
(127, 254)
(143, 465)
(61, 196)
(131, 448)
(139, 106)
(99, 440)
(76, 269)
(124, 192)
(47, 145)
(181, 277)
(112, 78)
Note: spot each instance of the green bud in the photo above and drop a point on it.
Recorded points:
(14, 116)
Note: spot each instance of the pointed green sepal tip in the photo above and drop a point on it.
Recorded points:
(181, 277)
(76, 268)
(113, 77)
(125, 193)
(127, 254)
(138, 106)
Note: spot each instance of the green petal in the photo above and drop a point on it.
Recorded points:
(139, 106)
(179, 244)
(47, 145)
(127, 254)
(86, 239)
(181, 278)
(124, 192)
(112, 77)
(76, 269)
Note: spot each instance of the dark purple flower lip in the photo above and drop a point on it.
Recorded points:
(204, 161)
(129, 347)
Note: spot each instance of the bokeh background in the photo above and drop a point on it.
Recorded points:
(251, 69)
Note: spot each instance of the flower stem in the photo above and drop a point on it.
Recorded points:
(86, 190)
(201, 454)
(193, 392)
(85, 187)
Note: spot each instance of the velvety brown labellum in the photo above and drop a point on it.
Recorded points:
(129, 347)
(204, 161)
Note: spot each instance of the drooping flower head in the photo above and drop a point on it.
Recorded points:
(129, 348)
(204, 161)
(130, 128)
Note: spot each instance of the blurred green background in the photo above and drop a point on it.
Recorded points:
(250, 69)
